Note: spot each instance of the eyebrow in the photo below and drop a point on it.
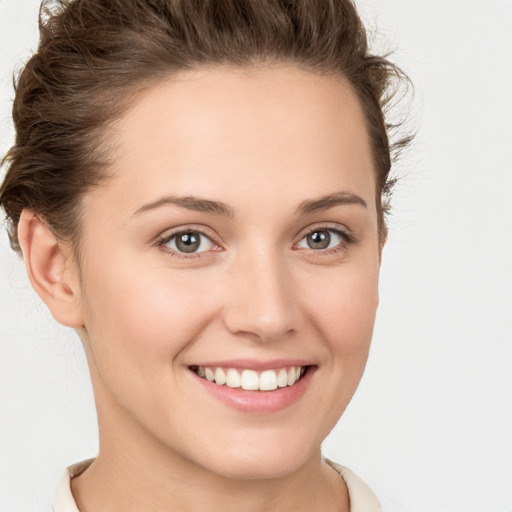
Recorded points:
(330, 201)
(190, 203)
(218, 208)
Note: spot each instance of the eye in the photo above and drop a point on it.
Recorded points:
(322, 239)
(188, 242)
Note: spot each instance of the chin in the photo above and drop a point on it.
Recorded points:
(270, 468)
(260, 461)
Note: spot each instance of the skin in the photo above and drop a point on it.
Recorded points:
(262, 141)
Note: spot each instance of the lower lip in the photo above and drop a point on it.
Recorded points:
(258, 401)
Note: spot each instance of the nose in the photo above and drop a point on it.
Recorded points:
(262, 300)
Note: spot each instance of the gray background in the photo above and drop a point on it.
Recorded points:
(430, 428)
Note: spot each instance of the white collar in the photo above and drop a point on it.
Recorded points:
(63, 500)
(362, 499)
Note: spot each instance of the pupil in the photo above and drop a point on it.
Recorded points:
(319, 240)
(188, 242)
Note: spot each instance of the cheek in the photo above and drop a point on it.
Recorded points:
(143, 317)
(138, 326)
(344, 308)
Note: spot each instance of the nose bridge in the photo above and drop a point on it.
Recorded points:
(261, 295)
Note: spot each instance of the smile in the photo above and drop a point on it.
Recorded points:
(251, 380)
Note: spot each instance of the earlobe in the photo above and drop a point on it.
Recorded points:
(50, 269)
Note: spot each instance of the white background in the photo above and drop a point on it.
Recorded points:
(430, 428)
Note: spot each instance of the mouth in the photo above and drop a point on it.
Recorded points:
(251, 380)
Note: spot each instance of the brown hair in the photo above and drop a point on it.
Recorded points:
(94, 55)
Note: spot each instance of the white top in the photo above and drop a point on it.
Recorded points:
(362, 498)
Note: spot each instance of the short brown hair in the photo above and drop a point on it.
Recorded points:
(94, 55)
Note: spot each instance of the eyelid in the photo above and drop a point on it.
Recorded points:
(196, 228)
(327, 226)
(167, 235)
(343, 246)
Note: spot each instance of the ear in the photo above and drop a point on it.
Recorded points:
(51, 269)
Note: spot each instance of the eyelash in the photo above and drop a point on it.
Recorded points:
(348, 239)
(163, 240)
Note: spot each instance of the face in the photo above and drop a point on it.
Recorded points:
(237, 240)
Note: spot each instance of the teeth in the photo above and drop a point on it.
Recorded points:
(268, 380)
(291, 377)
(209, 374)
(233, 379)
(220, 377)
(250, 380)
(282, 378)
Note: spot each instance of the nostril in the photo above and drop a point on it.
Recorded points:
(262, 303)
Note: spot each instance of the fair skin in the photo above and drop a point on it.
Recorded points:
(284, 273)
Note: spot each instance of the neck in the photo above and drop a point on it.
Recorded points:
(131, 479)
(134, 471)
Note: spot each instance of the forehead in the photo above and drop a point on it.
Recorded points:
(216, 131)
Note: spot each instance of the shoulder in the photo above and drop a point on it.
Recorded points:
(362, 498)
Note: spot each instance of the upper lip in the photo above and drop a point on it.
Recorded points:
(252, 364)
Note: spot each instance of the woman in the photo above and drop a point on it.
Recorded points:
(198, 189)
